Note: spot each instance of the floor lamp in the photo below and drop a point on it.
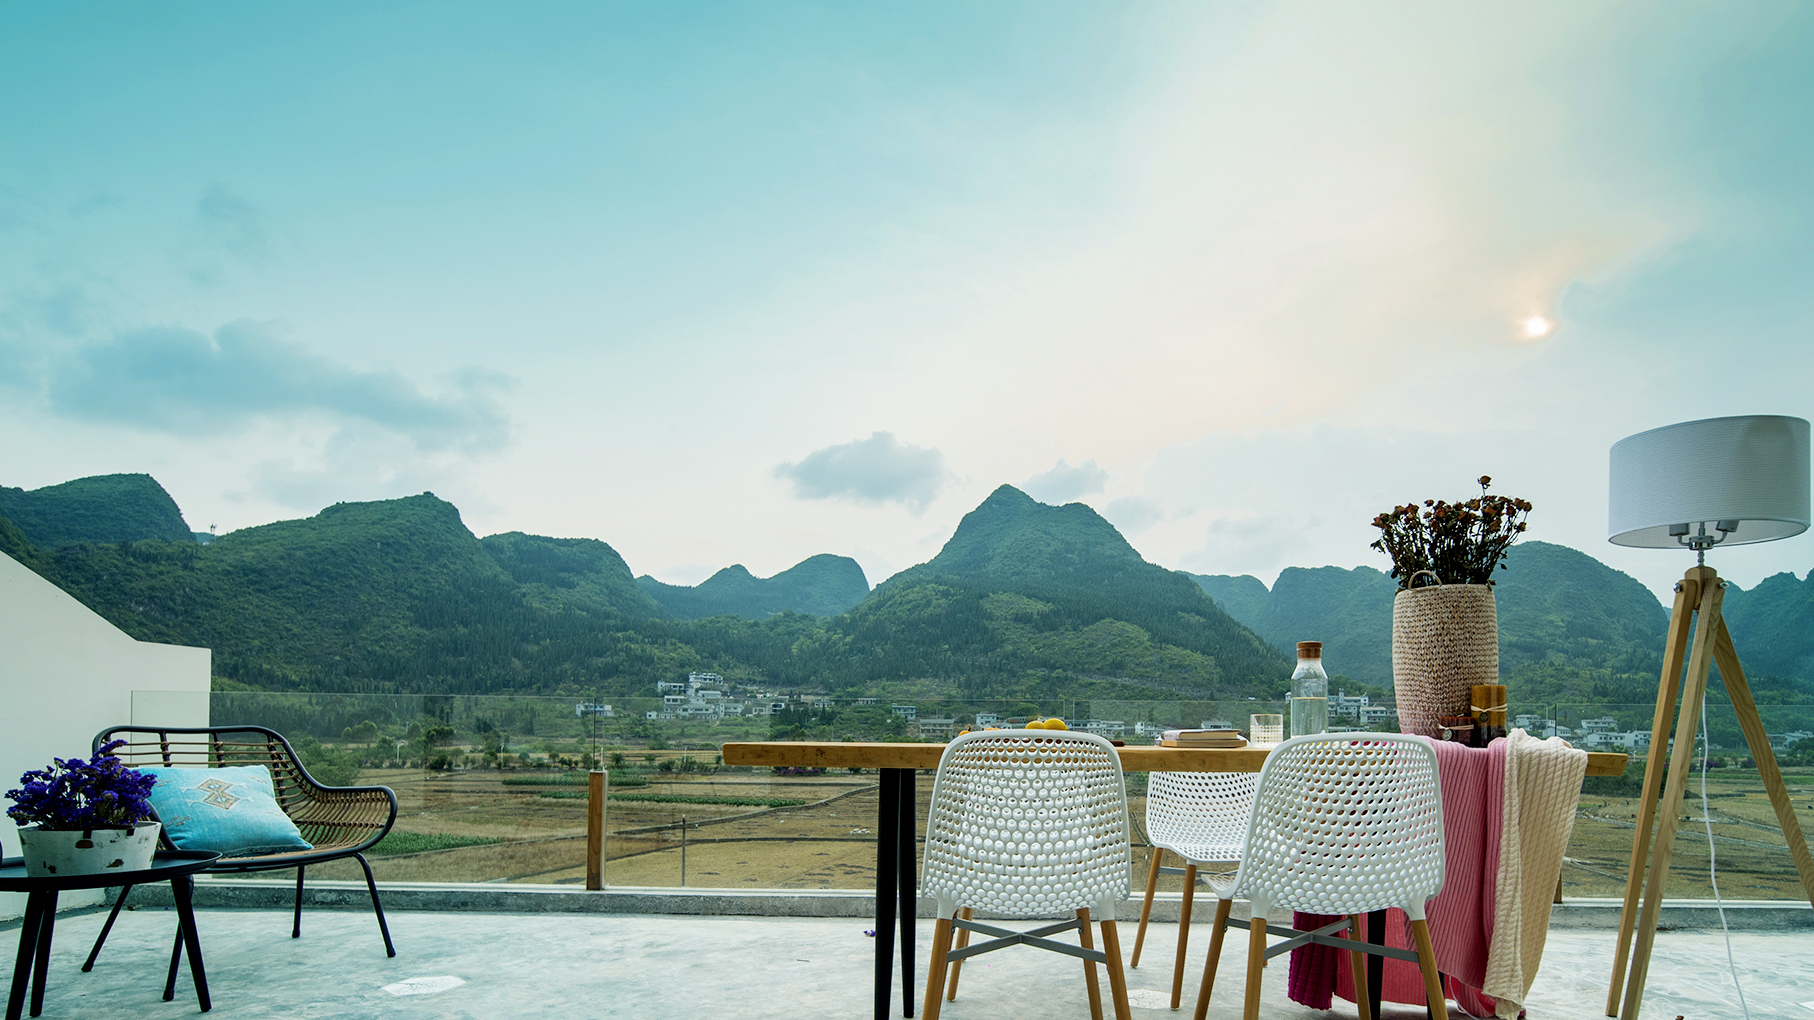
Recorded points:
(1699, 484)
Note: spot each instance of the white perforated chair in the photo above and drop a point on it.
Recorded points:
(1202, 817)
(1343, 823)
(1027, 824)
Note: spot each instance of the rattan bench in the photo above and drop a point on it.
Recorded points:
(341, 821)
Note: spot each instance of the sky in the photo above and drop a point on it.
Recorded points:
(742, 283)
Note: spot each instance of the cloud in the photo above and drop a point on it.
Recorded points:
(1065, 483)
(361, 464)
(227, 228)
(1134, 513)
(177, 380)
(880, 469)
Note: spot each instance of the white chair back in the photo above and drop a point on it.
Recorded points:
(1201, 816)
(1028, 823)
(1345, 823)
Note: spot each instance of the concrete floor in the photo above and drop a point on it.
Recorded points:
(660, 967)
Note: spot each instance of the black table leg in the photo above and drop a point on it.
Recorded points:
(1376, 965)
(28, 951)
(181, 889)
(907, 859)
(47, 921)
(888, 824)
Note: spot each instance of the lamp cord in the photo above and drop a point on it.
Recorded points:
(1712, 871)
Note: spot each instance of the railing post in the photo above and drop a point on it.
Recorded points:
(595, 830)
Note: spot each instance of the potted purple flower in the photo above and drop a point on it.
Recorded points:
(85, 817)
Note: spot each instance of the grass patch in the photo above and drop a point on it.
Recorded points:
(677, 798)
(421, 842)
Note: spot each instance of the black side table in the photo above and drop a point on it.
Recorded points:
(178, 866)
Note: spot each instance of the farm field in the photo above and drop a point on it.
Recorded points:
(1753, 859)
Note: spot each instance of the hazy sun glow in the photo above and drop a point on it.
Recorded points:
(1537, 326)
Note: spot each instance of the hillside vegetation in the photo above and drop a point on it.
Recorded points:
(1571, 629)
(102, 508)
(1025, 601)
(399, 596)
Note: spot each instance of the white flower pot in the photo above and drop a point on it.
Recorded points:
(58, 853)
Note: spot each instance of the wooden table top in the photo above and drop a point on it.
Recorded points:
(1134, 758)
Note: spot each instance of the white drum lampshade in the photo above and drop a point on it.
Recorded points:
(1734, 480)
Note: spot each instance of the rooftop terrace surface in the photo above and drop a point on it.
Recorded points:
(659, 967)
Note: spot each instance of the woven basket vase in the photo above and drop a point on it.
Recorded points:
(1445, 639)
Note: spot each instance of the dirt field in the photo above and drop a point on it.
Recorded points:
(828, 842)
(1753, 859)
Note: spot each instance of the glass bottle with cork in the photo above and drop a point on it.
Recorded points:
(1309, 691)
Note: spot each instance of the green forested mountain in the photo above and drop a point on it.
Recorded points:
(1349, 611)
(1773, 627)
(822, 585)
(570, 573)
(1026, 600)
(398, 595)
(1570, 627)
(1058, 590)
(103, 508)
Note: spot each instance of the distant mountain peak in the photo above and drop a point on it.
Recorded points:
(1012, 537)
(99, 508)
(821, 585)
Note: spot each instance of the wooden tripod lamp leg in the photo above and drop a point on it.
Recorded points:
(1700, 662)
(1681, 620)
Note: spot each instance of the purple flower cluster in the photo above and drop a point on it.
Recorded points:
(74, 794)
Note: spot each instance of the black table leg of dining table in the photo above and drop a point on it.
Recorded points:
(1376, 965)
(906, 859)
(896, 876)
(28, 951)
(888, 824)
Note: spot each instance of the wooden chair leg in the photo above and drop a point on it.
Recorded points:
(957, 968)
(1357, 960)
(1190, 889)
(1426, 962)
(1146, 906)
(1216, 934)
(1256, 965)
(1089, 967)
(935, 971)
(1111, 947)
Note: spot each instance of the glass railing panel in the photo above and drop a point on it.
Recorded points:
(493, 788)
(1748, 852)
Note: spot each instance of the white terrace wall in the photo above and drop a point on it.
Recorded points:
(66, 674)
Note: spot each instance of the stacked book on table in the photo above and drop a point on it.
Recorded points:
(1201, 738)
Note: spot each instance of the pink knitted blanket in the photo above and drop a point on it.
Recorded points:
(1460, 917)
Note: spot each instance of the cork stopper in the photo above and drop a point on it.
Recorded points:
(1310, 649)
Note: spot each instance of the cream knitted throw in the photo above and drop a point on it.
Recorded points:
(1542, 787)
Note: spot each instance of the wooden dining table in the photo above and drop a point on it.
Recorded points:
(896, 824)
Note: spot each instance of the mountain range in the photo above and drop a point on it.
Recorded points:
(1025, 598)
(398, 595)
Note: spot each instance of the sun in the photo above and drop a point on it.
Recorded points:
(1536, 327)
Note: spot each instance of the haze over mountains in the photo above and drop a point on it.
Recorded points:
(1025, 598)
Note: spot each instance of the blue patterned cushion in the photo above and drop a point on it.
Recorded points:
(230, 810)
